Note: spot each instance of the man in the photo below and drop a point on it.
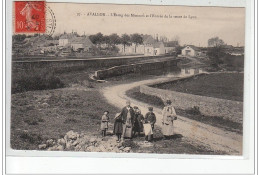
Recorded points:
(127, 115)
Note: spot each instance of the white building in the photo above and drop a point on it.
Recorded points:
(190, 50)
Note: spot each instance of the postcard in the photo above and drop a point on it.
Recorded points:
(117, 78)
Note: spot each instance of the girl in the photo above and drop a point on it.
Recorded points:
(118, 127)
(104, 123)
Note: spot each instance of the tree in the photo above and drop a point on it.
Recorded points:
(216, 50)
(19, 37)
(114, 39)
(136, 39)
(125, 40)
(97, 38)
(215, 42)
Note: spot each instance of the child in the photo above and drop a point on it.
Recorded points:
(138, 122)
(118, 127)
(104, 123)
(149, 121)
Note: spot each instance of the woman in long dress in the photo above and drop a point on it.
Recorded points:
(118, 127)
(169, 115)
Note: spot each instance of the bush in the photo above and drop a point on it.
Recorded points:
(195, 110)
(31, 138)
(34, 80)
(33, 120)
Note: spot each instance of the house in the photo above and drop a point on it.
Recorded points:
(75, 42)
(65, 38)
(190, 50)
(81, 44)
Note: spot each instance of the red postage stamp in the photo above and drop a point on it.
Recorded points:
(30, 17)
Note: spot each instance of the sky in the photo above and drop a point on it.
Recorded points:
(196, 25)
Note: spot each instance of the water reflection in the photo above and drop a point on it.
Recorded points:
(175, 72)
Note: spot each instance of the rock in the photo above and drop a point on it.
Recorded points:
(50, 142)
(61, 142)
(45, 105)
(127, 149)
(121, 148)
(69, 145)
(102, 148)
(60, 148)
(72, 135)
(92, 140)
(90, 148)
(76, 142)
(42, 146)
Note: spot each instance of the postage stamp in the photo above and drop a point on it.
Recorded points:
(30, 17)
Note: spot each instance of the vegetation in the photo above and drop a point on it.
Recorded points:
(216, 51)
(40, 115)
(222, 85)
(35, 80)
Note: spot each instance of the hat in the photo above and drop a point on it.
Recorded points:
(168, 102)
(150, 108)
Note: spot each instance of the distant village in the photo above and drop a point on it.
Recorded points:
(73, 45)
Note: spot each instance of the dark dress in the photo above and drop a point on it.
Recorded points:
(138, 123)
(127, 115)
(118, 125)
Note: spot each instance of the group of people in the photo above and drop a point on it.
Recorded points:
(130, 122)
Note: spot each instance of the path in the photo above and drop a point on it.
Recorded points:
(213, 137)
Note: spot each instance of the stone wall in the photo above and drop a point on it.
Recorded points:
(232, 110)
(134, 68)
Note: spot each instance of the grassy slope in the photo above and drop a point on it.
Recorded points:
(223, 85)
(41, 115)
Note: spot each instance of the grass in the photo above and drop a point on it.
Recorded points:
(40, 115)
(192, 113)
(34, 80)
(222, 85)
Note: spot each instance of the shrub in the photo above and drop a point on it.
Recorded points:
(195, 110)
(31, 138)
(33, 120)
(34, 80)
(70, 120)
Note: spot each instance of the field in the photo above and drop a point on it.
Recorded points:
(41, 115)
(221, 85)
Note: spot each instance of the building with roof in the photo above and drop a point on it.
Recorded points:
(65, 38)
(190, 50)
(150, 47)
(75, 42)
(80, 44)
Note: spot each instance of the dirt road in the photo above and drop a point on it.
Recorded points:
(203, 134)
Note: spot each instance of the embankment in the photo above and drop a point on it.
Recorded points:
(134, 68)
(210, 106)
(80, 63)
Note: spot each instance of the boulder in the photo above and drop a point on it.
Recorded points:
(127, 149)
(59, 148)
(42, 146)
(72, 135)
(50, 142)
(61, 142)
